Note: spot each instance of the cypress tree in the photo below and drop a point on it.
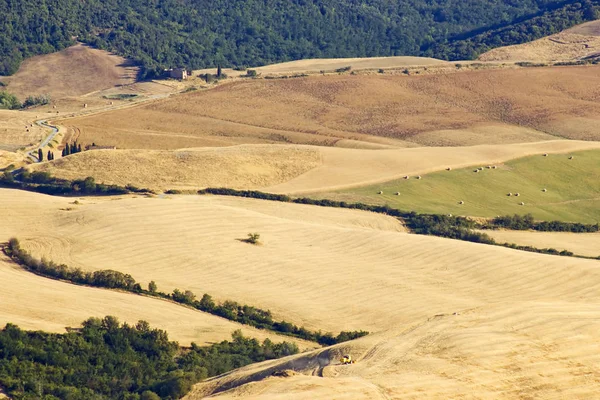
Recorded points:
(79, 148)
(40, 155)
(49, 155)
(219, 72)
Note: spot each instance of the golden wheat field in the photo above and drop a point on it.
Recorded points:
(466, 108)
(449, 319)
(584, 244)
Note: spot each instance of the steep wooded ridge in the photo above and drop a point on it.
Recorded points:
(196, 33)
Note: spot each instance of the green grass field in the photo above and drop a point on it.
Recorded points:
(573, 189)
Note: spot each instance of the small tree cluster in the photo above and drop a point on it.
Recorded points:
(71, 148)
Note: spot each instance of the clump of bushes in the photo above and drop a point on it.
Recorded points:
(343, 69)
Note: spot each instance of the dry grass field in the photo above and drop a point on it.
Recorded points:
(238, 167)
(16, 129)
(466, 108)
(450, 319)
(74, 71)
(285, 168)
(585, 244)
(580, 42)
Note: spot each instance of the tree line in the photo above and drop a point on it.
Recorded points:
(231, 310)
(188, 33)
(105, 359)
(448, 226)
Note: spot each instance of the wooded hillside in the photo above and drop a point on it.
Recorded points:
(199, 33)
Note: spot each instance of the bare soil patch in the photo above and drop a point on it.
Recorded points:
(74, 71)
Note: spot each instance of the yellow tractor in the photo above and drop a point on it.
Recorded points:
(345, 360)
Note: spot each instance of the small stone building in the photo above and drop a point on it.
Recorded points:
(179, 73)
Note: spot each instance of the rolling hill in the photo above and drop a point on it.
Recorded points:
(449, 318)
(452, 109)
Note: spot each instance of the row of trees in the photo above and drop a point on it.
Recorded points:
(173, 33)
(452, 227)
(231, 310)
(71, 148)
(109, 360)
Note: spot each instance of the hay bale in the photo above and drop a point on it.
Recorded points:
(461, 202)
(509, 194)
(545, 154)
(570, 158)
(489, 167)
(476, 170)
(494, 167)
(407, 177)
(380, 192)
(544, 190)
(397, 193)
(419, 177)
(517, 194)
(522, 203)
(449, 169)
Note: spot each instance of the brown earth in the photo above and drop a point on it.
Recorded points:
(467, 108)
(74, 71)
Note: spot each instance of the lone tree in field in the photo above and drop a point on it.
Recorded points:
(219, 72)
(253, 238)
(40, 155)
(152, 287)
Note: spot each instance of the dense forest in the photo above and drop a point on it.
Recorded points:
(108, 360)
(199, 33)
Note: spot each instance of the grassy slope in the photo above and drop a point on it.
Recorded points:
(573, 190)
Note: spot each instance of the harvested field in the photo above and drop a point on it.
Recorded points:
(16, 129)
(450, 319)
(37, 303)
(53, 74)
(239, 167)
(331, 64)
(466, 108)
(585, 244)
(345, 168)
(572, 187)
(543, 349)
(579, 42)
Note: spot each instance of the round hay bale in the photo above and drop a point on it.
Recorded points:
(407, 177)
(449, 169)
(397, 193)
(509, 194)
(570, 158)
(461, 202)
(489, 167)
(544, 190)
(545, 154)
(449, 215)
(522, 203)
(517, 194)
(380, 192)
(476, 170)
(494, 167)
(419, 177)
